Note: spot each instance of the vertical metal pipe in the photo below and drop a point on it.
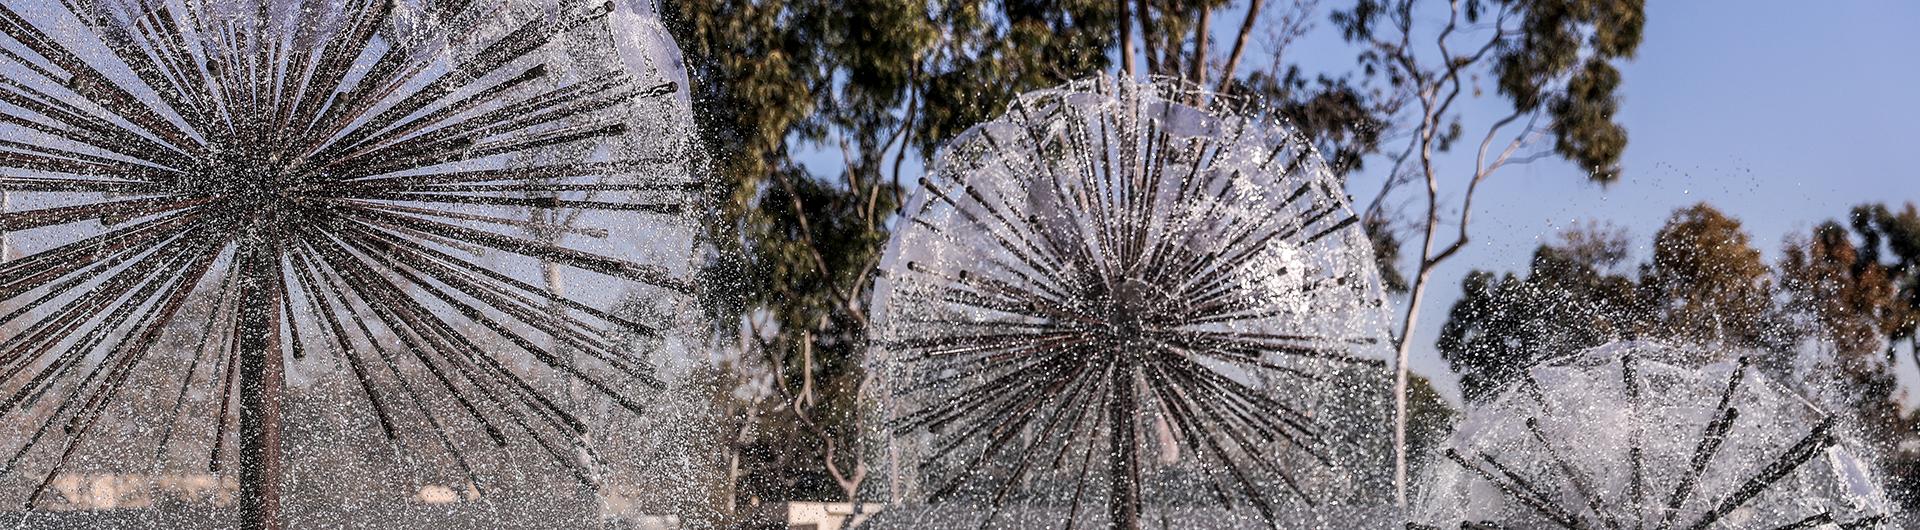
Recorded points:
(1123, 471)
(261, 383)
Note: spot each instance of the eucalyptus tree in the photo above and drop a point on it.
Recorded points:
(1552, 60)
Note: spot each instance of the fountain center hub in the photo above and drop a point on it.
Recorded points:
(244, 182)
(1132, 307)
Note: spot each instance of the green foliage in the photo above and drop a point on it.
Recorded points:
(993, 51)
(793, 250)
(1551, 66)
(1556, 56)
(1430, 420)
(1705, 283)
(1849, 298)
(1858, 296)
(1386, 252)
(1345, 122)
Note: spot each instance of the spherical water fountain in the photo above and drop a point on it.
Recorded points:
(1126, 304)
(1639, 435)
(223, 208)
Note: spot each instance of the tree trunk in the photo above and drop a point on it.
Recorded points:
(1126, 38)
(1404, 347)
(1123, 471)
(1400, 387)
(262, 378)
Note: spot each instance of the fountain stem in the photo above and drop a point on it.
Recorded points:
(1123, 473)
(261, 380)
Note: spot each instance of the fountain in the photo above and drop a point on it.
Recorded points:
(220, 204)
(1125, 303)
(1639, 435)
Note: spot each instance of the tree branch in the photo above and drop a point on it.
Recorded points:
(1146, 34)
(1126, 38)
(1396, 175)
(1434, 111)
(1239, 46)
(813, 249)
(850, 484)
(906, 142)
(1197, 72)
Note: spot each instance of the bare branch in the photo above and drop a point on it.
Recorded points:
(1126, 38)
(1239, 46)
(906, 142)
(1434, 114)
(1146, 34)
(813, 249)
(799, 404)
(1197, 73)
(1396, 175)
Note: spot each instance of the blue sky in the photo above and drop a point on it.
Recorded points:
(1782, 114)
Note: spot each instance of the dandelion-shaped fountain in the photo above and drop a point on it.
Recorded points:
(1113, 304)
(208, 194)
(1629, 435)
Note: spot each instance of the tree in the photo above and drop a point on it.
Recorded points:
(1707, 283)
(787, 246)
(1876, 225)
(1569, 301)
(1551, 59)
(1850, 301)
(1849, 298)
(1704, 283)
